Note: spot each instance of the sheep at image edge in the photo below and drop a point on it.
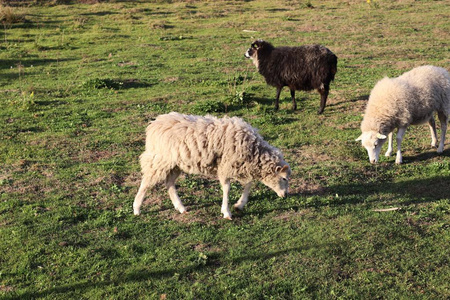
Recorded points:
(302, 68)
(226, 148)
(410, 99)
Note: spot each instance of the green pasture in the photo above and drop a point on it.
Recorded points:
(79, 83)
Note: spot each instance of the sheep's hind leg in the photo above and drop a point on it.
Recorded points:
(244, 198)
(146, 183)
(294, 104)
(432, 125)
(170, 185)
(151, 175)
(323, 90)
(400, 133)
(390, 148)
(443, 118)
(225, 210)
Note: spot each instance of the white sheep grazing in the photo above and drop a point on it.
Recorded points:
(409, 99)
(226, 148)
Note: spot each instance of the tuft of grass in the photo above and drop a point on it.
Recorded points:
(10, 15)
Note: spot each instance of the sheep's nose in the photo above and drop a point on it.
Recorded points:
(283, 195)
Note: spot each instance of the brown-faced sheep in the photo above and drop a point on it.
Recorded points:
(409, 99)
(301, 68)
(226, 148)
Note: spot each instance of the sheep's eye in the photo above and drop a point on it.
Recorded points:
(284, 179)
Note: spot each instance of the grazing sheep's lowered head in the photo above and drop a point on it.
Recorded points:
(372, 141)
(278, 181)
(301, 68)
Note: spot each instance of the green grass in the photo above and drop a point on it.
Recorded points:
(79, 84)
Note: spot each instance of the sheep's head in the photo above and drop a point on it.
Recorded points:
(279, 180)
(256, 46)
(372, 141)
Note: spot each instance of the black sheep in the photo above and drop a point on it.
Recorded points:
(300, 68)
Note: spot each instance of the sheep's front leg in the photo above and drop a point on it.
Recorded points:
(389, 150)
(432, 125)
(294, 104)
(244, 198)
(443, 118)
(400, 133)
(226, 190)
(277, 99)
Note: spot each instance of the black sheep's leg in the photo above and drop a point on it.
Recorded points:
(323, 97)
(277, 106)
(294, 104)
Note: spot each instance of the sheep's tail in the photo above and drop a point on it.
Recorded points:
(333, 69)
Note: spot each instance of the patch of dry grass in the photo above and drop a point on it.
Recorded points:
(11, 15)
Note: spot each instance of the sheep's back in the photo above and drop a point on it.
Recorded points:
(408, 99)
(431, 86)
(204, 145)
(184, 141)
(302, 68)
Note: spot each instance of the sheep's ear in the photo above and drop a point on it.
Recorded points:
(283, 169)
(381, 136)
(286, 171)
(359, 138)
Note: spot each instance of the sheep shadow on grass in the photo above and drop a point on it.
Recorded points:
(364, 98)
(407, 192)
(416, 190)
(301, 103)
(425, 156)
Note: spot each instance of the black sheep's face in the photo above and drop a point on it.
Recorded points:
(252, 52)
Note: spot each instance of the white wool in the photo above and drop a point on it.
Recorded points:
(409, 99)
(226, 148)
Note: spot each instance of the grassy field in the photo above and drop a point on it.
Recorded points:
(78, 85)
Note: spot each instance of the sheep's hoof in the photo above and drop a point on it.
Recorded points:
(237, 208)
(228, 218)
(182, 210)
